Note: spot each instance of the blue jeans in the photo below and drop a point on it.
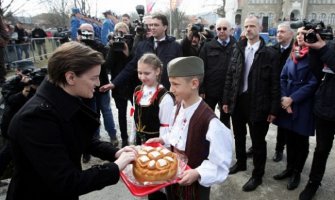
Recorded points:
(103, 105)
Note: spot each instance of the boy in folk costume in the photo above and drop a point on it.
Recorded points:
(196, 132)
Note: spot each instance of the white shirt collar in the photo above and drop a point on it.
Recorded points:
(255, 46)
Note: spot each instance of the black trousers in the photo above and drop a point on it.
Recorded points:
(240, 119)
(281, 139)
(258, 131)
(212, 102)
(2, 64)
(325, 131)
(121, 105)
(5, 157)
(297, 150)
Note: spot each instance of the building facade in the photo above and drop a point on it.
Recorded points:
(273, 12)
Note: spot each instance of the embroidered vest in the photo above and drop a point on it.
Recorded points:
(197, 147)
(147, 117)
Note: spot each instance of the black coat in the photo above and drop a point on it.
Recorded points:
(216, 60)
(48, 136)
(324, 106)
(188, 49)
(283, 55)
(166, 51)
(115, 63)
(39, 34)
(263, 81)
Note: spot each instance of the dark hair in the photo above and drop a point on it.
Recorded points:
(161, 17)
(126, 15)
(72, 56)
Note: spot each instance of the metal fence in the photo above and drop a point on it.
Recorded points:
(34, 50)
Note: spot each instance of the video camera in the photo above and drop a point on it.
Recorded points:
(86, 35)
(35, 76)
(140, 29)
(120, 39)
(197, 28)
(326, 33)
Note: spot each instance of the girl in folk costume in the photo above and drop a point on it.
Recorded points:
(153, 103)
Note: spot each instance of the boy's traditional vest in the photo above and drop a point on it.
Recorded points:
(197, 150)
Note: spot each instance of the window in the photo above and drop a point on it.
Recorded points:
(313, 16)
(332, 18)
(323, 17)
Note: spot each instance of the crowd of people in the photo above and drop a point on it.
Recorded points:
(174, 88)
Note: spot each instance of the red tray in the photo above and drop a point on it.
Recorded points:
(140, 191)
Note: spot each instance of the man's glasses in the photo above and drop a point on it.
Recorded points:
(221, 28)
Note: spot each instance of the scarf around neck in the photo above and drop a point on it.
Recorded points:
(298, 52)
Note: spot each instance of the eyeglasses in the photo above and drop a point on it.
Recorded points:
(221, 28)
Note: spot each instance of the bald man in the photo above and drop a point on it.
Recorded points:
(252, 96)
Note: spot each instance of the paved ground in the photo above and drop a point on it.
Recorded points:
(231, 189)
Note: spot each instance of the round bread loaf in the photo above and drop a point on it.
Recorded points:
(155, 164)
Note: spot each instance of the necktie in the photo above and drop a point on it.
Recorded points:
(224, 43)
(282, 49)
(249, 58)
(156, 44)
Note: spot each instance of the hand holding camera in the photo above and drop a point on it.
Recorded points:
(318, 44)
(314, 28)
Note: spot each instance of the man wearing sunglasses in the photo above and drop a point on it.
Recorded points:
(216, 55)
(252, 96)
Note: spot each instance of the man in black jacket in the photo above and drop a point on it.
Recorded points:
(191, 44)
(324, 111)
(164, 46)
(39, 39)
(283, 47)
(116, 60)
(252, 96)
(216, 55)
(101, 100)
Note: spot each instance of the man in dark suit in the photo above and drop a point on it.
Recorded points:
(161, 44)
(284, 46)
(216, 55)
(252, 96)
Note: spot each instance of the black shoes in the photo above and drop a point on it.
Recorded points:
(294, 181)
(278, 156)
(309, 191)
(250, 152)
(284, 174)
(237, 167)
(252, 184)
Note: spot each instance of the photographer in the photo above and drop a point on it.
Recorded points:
(142, 30)
(324, 111)
(14, 101)
(101, 100)
(116, 60)
(16, 83)
(191, 43)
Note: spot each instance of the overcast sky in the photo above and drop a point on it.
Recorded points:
(32, 7)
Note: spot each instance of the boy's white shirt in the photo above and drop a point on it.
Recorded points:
(165, 106)
(216, 168)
